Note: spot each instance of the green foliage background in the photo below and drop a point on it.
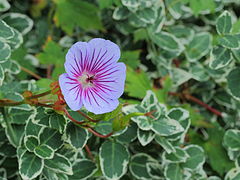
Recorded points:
(182, 60)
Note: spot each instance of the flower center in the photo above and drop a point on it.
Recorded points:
(86, 80)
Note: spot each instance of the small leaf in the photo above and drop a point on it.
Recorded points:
(167, 41)
(6, 32)
(51, 137)
(173, 172)
(83, 169)
(44, 151)
(5, 51)
(114, 159)
(165, 126)
(4, 5)
(166, 145)
(129, 135)
(120, 13)
(76, 136)
(145, 137)
(31, 142)
(224, 23)
(20, 22)
(220, 57)
(147, 15)
(87, 18)
(232, 139)
(196, 157)
(59, 164)
(198, 47)
(233, 83)
(229, 41)
(176, 157)
(138, 166)
(30, 166)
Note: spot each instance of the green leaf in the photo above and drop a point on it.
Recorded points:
(167, 41)
(19, 117)
(129, 135)
(149, 99)
(166, 145)
(229, 41)
(233, 83)
(138, 166)
(199, 72)
(31, 142)
(220, 57)
(147, 15)
(6, 32)
(231, 139)
(30, 166)
(120, 13)
(165, 126)
(175, 8)
(114, 159)
(137, 83)
(224, 23)
(32, 128)
(87, 18)
(59, 164)
(182, 116)
(176, 157)
(52, 138)
(44, 151)
(131, 4)
(196, 157)
(145, 137)
(20, 22)
(5, 51)
(131, 58)
(83, 169)
(53, 54)
(198, 47)
(202, 6)
(216, 153)
(15, 41)
(180, 76)
(15, 133)
(4, 5)
(58, 122)
(76, 136)
(173, 172)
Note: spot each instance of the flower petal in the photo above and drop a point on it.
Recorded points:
(76, 58)
(103, 54)
(110, 82)
(71, 91)
(97, 104)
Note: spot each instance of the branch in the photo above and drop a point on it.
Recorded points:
(30, 72)
(99, 135)
(198, 101)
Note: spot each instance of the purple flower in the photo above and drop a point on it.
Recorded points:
(94, 78)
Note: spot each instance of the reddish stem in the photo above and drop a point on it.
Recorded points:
(206, 106)
(39, 95)
(71, 118)
(87, 117)
(30, 72)
(99, 135)
(198, 101)
(90, 155)
(49, 70)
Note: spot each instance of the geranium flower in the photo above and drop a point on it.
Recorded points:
(93, 77)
